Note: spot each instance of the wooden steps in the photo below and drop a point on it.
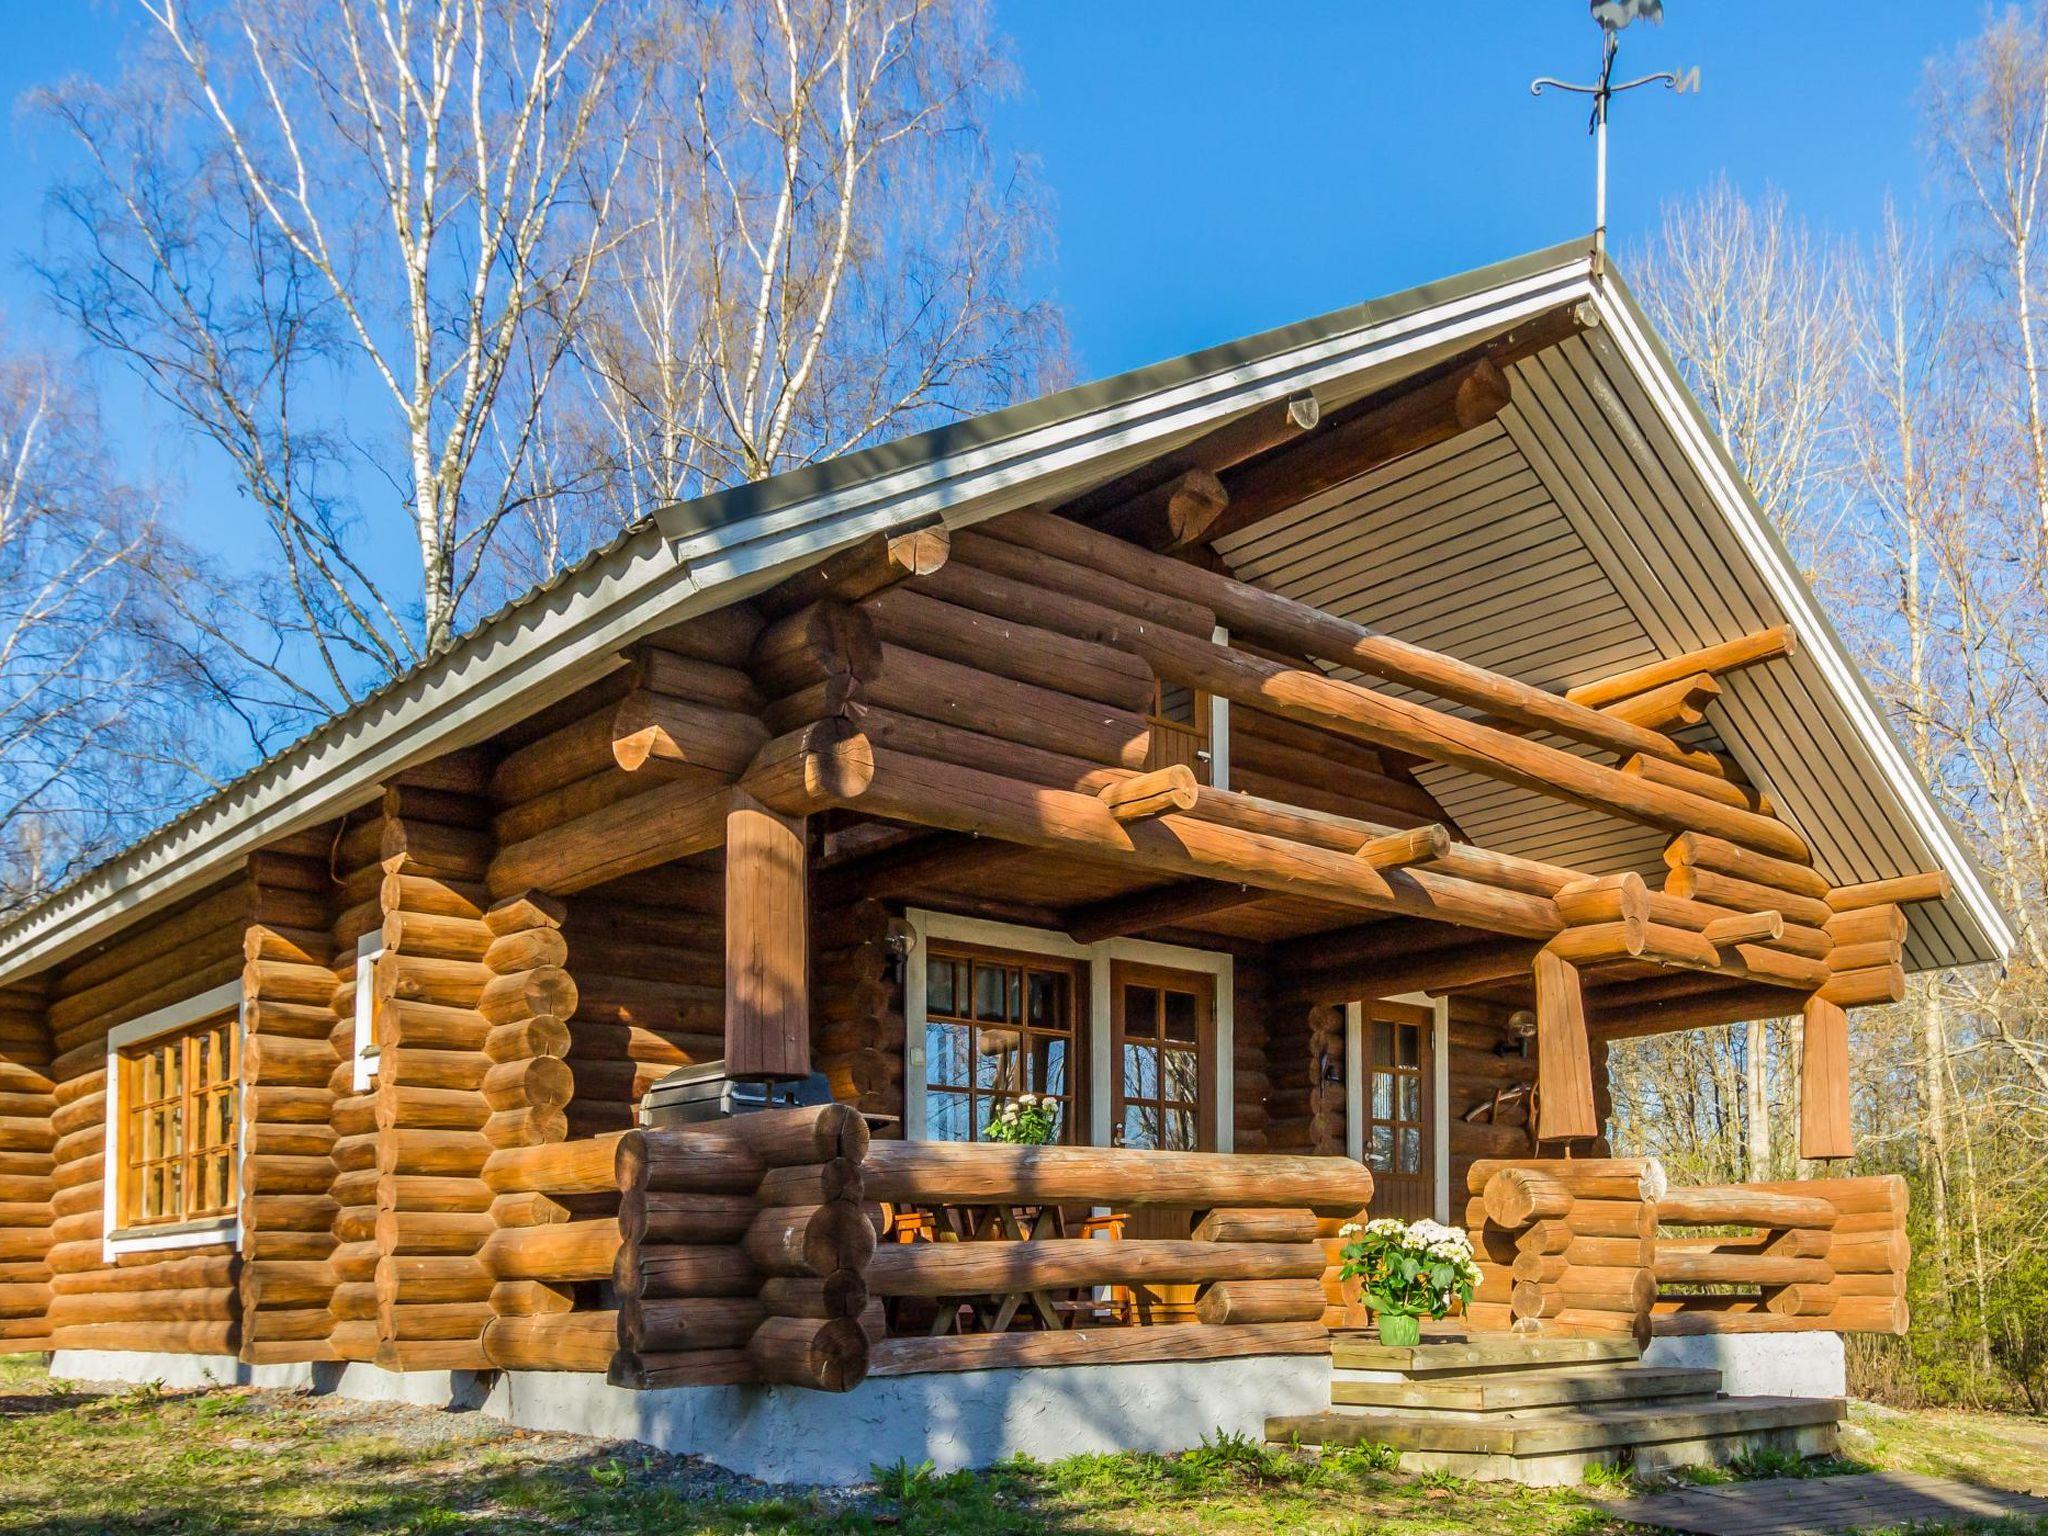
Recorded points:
(1492, 1392)
(1541, 1411)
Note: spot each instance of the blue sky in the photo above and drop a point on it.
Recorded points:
(1221, 166)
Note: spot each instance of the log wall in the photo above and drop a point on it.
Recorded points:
(27, 1101)
(180, 1300)
(290, 1062)
(435, 1000)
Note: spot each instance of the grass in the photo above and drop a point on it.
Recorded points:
(231, 1461)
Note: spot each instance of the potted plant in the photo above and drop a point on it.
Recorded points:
(1408, 1271)
(1026, 1121)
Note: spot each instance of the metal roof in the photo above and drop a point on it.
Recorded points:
(1509, 500)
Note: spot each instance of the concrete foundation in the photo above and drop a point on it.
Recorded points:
(1761, 1364)
(789, 1435)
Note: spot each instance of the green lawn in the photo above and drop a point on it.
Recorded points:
(232, 1461)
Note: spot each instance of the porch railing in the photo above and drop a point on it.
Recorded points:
(1581, 1246)
(784, 1247)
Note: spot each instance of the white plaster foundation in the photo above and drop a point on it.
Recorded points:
(1762, 1364)
(790, 1435)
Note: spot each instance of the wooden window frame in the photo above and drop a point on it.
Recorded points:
(1206, 1106)
(125, 1043)
(1435, 1090)
(1078, 1030)
(928, 927)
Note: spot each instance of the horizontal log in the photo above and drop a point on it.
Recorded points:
(1257, 1225)
(1903, 891)
(1022, 652)
(1261, 1301)
(824, 1354)
(1692, 1266)
(1743, 1205)
(1095, 1346)
(962, 1172)
(1713, 660)
(673, 1324)
(566, 1341)
(963, 1269)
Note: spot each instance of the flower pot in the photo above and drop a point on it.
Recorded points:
(1400, 1330)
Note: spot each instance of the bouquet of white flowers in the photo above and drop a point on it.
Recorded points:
(1025, 1121)
(1407, 1271)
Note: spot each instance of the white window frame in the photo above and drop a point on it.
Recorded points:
(369, 950)
(1440, 1088)
(1099, 957)
(214, 1231)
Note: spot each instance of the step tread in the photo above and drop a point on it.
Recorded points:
(1568, 1429)
(1361, 1351)
(1485, 1392)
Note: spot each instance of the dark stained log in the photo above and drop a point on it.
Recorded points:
(1162, 908)
(1281, 624)
(1171, 514)
(1362, 437)
(912, 865)
(874, 564)
(1248, 435)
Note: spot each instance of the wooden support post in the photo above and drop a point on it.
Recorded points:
(767, 999)
(1824, 1083)
(1564, 1059)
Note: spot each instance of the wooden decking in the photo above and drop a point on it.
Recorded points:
(1822, 1506)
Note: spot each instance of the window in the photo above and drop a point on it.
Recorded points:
(369, 950)
(996, 1025)
(173, 1124)
(1165, 1058)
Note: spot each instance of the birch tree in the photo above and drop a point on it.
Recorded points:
(822, 249)
(413, 193)
(96, 737)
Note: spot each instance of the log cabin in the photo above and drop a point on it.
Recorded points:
(1299, 761)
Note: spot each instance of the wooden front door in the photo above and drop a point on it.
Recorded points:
(1399, 1109)
(1163, 1046)
(1162, 1098)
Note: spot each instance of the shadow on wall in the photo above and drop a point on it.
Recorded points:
(1761, 1364)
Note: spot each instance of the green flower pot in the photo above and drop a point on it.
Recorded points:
(1400, 1330)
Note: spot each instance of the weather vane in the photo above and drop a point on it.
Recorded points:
(1613, 15)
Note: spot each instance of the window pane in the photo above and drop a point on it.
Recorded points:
(1050, 1066)
(1382, 1043)
(1381, 1153)
(946, 1116)
(991, 994)
(1141, 1072)
(1181, 1075)
(1411, 1098)
(945, 1049)
(1411, 1149)
(1141, 1127)
(1382, 1096)
(1180, 1130)
(1411, 1045)
(1181, 1014)
(938, 987)
(1141, 1012)
(995, 1060)
(1047, 1001)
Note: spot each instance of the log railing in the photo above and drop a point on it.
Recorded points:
(1819, 1254)
(1579, 1247)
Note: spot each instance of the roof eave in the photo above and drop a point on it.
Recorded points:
(703, 554)
(1683, 418)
